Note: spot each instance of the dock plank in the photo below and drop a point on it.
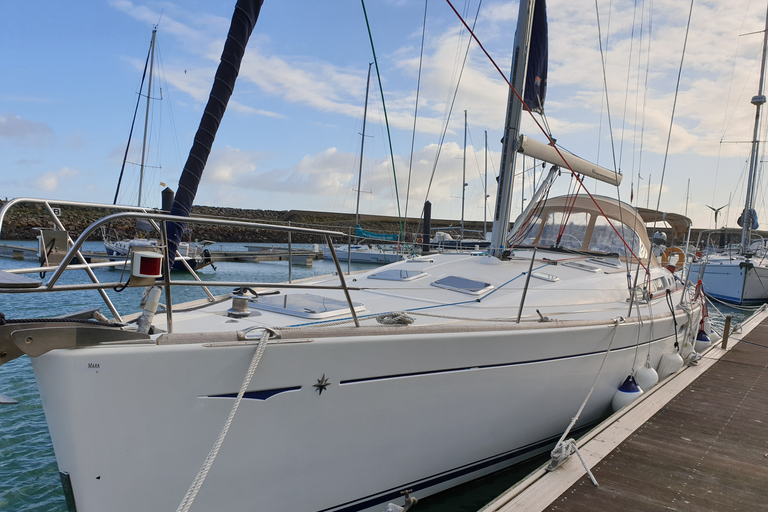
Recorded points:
(704, 451)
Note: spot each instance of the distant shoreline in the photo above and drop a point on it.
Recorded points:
(22, 221)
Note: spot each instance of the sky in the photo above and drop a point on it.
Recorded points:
(291, 137)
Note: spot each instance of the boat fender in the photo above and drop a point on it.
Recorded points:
(669, 364)
(714, 337)
(646, 376)
(627, 393)
(686, 350)
(702, 341)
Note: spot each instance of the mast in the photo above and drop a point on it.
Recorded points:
(146, 118)
(464, 175)
(757, 101)
(512, 129)
(362, 145)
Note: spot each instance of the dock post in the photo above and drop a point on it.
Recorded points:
(726, 332)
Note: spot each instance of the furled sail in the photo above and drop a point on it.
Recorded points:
(243, 21)
(538, 54)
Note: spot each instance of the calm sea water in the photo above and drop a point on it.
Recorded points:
(29, 480)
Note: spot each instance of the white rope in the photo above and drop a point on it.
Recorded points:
(557, 449)
(395, 318)
(564, 450)
(189, 498)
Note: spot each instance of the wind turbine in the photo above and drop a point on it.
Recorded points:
(717, 211)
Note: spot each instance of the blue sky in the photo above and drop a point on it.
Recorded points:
(291, 136)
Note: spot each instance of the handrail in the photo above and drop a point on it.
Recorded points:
(156, 216)
(175, 218)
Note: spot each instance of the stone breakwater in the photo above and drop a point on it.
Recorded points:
(22, 220)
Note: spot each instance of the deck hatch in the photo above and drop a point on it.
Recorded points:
(398, 275)
(463, 285)
(305, 305)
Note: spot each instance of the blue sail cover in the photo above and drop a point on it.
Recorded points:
(243, 21)
(752, 215)
(361, 233)
(538, 55)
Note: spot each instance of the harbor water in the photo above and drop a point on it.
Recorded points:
(29, 479)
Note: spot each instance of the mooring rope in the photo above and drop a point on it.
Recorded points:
(564, 448)
(189, 498)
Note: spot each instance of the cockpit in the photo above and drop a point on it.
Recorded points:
(577, 224)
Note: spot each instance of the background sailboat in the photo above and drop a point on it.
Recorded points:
(742, 277)
(192, 254)
(366, 248)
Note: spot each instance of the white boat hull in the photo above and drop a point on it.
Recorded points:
(363, 255)
(133, 425)
(733, 280)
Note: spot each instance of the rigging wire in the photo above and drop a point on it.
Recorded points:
(616, 166)
(605, 89)
(386, 119)
(645, 98)
(415, 113)
(626, 90)
(726, 118)
(541, 128)
(452, 103)
(133, 123)
(674, 105)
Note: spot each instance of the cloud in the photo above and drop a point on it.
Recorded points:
(24, 131)
(229, 166)
(50, 180)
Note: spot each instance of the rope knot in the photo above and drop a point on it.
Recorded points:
(395, 318)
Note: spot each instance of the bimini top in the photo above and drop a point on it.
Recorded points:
(576, 224)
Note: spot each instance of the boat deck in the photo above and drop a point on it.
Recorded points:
(705, 449)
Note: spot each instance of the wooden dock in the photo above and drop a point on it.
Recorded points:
(696, 442)
(18, 252)
(302, 257)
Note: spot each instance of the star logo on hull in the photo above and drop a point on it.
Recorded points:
(322, 384)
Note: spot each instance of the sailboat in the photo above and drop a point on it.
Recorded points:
(444, 240)
(192, 255)
(335, 396)
(741, 276)
(365, 252)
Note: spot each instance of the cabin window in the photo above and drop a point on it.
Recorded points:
(572, 236)
(605, 239)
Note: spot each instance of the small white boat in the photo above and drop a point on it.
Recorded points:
(192, 254)
(363, 253)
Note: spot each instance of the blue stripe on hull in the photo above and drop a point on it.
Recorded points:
(393, 494)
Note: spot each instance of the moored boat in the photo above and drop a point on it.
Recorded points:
(341, 393)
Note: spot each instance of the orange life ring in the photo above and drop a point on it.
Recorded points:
(669, 254)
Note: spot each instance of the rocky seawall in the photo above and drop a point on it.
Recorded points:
(23, 220)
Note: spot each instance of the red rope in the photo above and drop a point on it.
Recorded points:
(551, 142)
